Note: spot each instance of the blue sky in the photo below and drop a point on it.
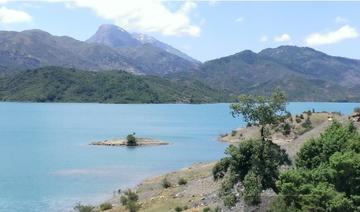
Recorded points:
(204, 30)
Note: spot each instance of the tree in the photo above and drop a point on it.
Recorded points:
(326, 176)
(254, 163)
(261, 111)
(131, 140)
(130, 200)
(335, 138)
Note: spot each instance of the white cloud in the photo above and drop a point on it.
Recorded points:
(10, 16)
(212, 3)
(144, 16)
(282, 38)
(240, 19)
(345, 32)
(264, 39)
(340, 20)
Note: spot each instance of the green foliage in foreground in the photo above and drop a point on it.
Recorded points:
(261, 110)
(326, 176)
(55, 84)
(255, 164)
(130, 200)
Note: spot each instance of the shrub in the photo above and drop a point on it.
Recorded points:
(357, 110)
(131, 140)
(178, 209)
(233, 132)
(309, 113)
(286, 129)
(83, 208)
(255, 163)
(130, 200)
(207, 209)
(288, 115)
(217, 209)
(297, 119)
(230, 200)
(307, 124)
(182, 181)
(105, 206)
(301, 116)
(165, 183)
(252, 185)
(326, 176)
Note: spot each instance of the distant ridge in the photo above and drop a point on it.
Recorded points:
(303, 73)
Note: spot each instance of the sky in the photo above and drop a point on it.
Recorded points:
(204, 30)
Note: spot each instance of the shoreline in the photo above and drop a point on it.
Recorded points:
(200, 191)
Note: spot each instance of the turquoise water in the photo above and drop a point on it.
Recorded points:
(47, 164)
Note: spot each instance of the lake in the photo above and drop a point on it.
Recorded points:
(47, 164)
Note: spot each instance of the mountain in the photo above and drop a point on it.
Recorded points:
(113, 36)
(152, 56)
(116, 37)
(303, 73)
(147, 39)
(316, 64)
(35, 48)
(32, 49)
(56, 84)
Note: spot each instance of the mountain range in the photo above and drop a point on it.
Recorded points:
(110, 48)
(303, 73)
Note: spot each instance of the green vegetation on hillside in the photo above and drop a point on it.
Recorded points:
(129, 199)
(55, 84)
(326, 176)
(254, 163)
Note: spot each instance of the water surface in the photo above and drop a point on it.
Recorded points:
(47, 164)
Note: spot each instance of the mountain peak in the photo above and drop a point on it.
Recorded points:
(35, 31)
(113, 36)
(147, 39)
(290, 50)
(110, 27)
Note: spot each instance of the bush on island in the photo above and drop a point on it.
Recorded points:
(131, 140)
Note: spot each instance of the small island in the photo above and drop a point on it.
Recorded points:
(130, 141)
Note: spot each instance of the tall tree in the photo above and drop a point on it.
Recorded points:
(260, 110)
